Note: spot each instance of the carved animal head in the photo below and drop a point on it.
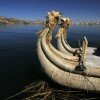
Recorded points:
(66, 21)
(53, 17)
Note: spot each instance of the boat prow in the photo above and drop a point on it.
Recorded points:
(63, 70)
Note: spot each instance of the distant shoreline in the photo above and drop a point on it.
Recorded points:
(4, 20)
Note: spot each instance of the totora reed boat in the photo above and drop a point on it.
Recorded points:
(63, 69)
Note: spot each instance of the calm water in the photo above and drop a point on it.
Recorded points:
(91, 32)
(19, 65)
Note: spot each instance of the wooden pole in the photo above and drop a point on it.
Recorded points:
(84, 49)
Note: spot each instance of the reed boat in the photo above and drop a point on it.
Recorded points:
(61, 67)
(62, 70)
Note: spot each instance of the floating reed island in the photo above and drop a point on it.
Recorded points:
(67, 66)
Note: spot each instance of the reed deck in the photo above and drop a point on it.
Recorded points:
(92, 59)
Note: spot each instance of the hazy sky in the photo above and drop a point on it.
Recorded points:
(37, 9)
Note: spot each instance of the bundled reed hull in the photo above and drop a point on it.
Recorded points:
(61, 47)
(62, 74)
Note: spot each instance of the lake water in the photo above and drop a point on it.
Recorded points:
(19, 64)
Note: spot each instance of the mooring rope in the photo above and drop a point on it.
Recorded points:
(69, 80)
(86, 82)
(86, 77)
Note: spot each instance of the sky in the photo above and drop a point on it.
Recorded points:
(37, 9)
